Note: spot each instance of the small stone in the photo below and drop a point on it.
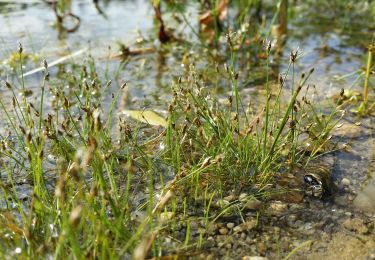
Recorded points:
(223, 231)
(277, 208)
(166, 216)
(210, 242)
(249, 225)
(291, 219)
(345, 182)
(254, 258)
(229, 198)
(222, 203)
(51, 158)
(349, 130)
(253, 204)
(262, 248)
(193, 225)
(356, 224)
(242, 196)
(211, 229)
(230, 225)
(237, 228)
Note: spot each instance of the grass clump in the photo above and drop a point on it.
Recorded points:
(99, 192)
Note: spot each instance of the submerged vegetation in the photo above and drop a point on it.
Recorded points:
(104, 180)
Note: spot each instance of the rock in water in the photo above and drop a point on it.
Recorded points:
(356, 224)
(318, 177)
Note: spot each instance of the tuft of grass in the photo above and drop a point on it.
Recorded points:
(83, 200)
(103, 186)
(84, 204)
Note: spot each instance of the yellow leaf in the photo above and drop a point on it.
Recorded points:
(146, 116)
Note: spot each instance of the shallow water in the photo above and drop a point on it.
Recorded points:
(332, 52)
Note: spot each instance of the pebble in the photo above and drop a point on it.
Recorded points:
(356, 224)
(291, 218)
(211, 229)
(51, 158)
(247, 226)
(242, 196)
(223, 231)
(221, 244)
(229, 198)
(165, 216)
(254, 258)
(222, 203)
(253, 204)
(277, 208)
(262, 248)
(237, 228)
(210, 242)
(230, 225)
(193, 225)
(220, 238)
(345, 182)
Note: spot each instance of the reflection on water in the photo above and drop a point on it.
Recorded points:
(333, 52)
(33, 25)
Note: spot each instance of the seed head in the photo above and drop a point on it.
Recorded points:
(45, 64)
(267, 45)
(293, 56)
(20, 49)
(292, 124)
(206, 162)
(8, 85)
(75, 216)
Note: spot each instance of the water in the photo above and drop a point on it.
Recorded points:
(32, 25)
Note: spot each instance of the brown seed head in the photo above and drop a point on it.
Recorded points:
(75, 215)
